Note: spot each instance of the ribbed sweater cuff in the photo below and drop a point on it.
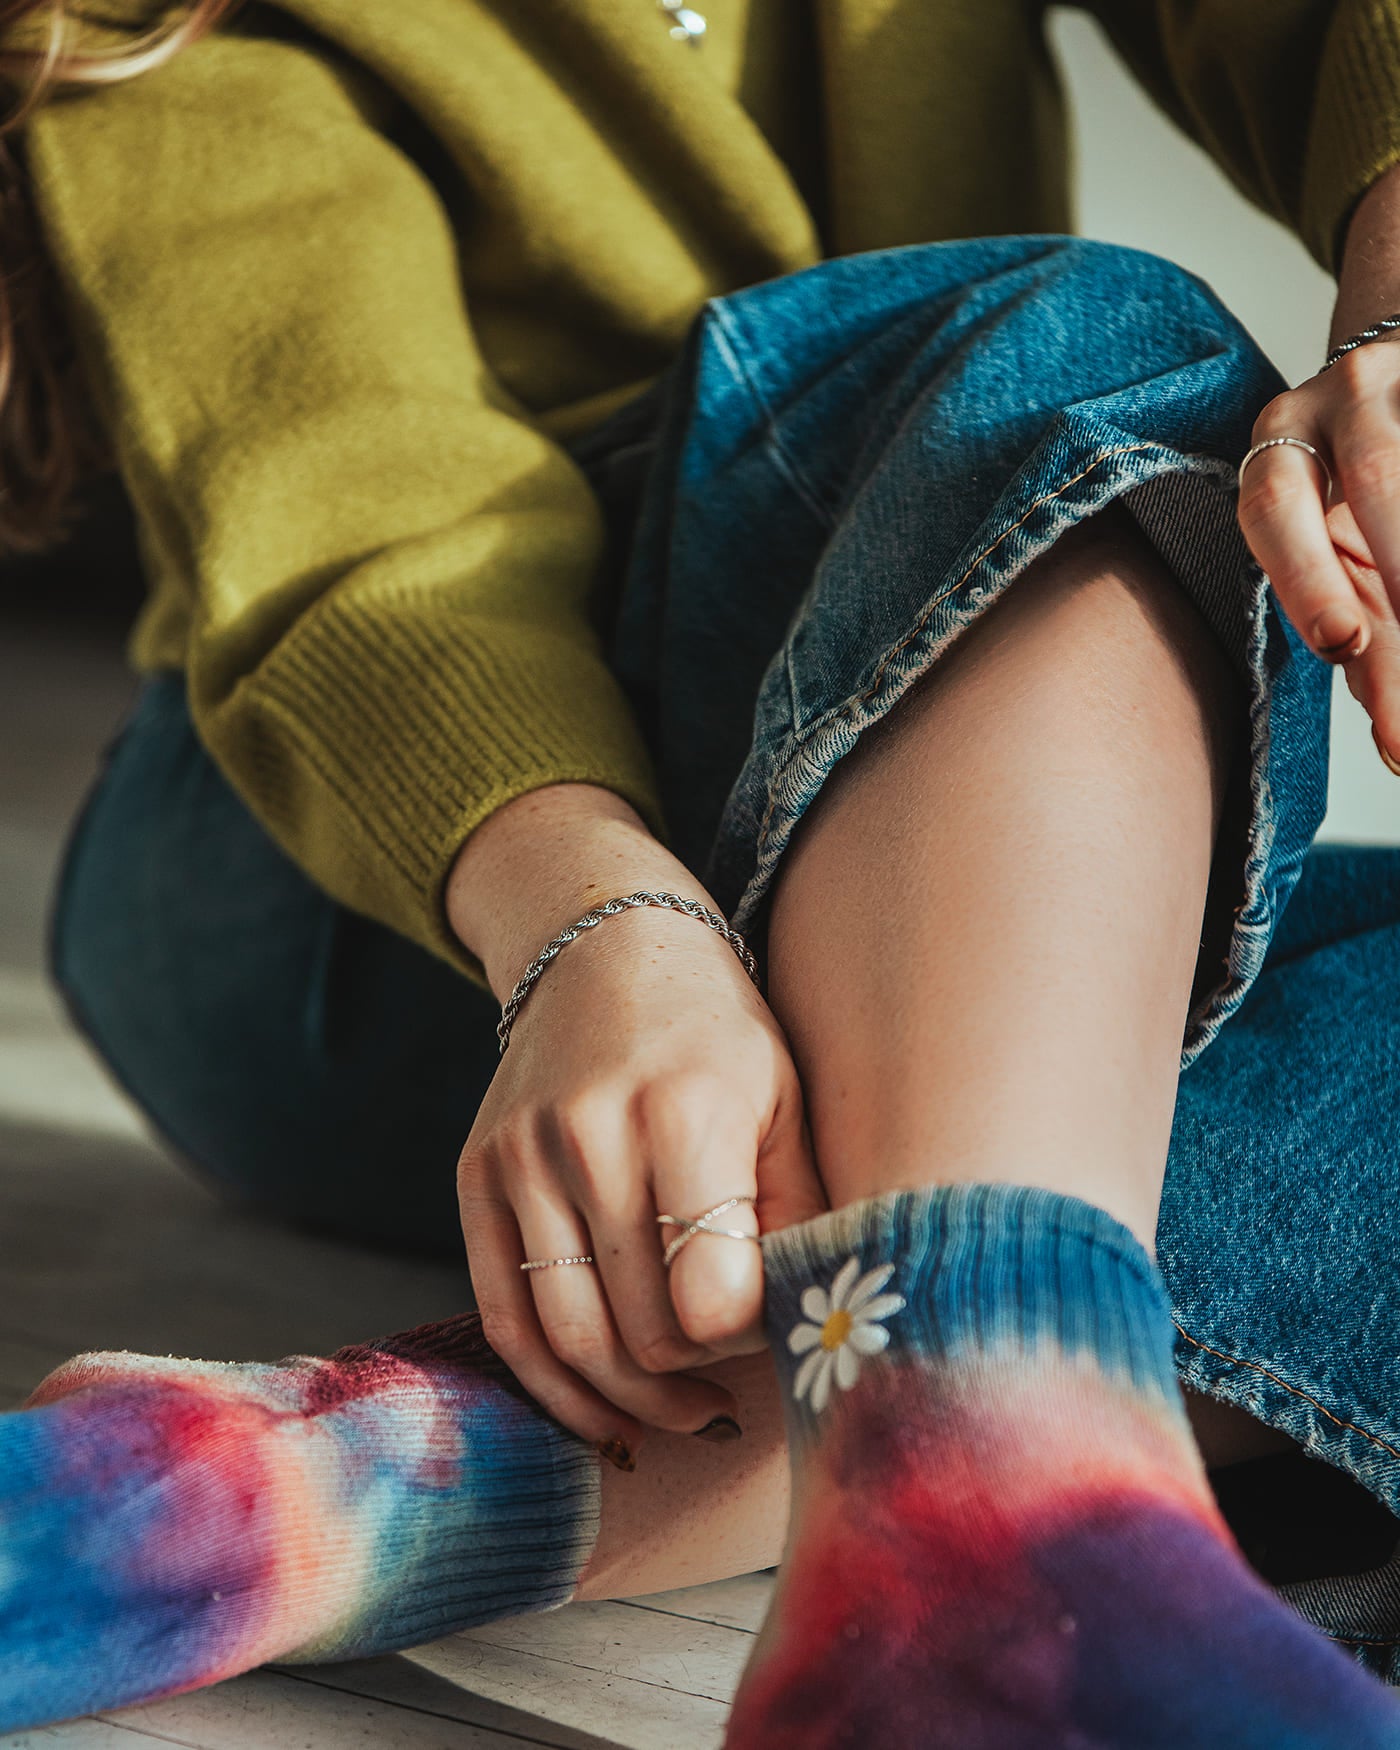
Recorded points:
(374, 748)
(1355, 133)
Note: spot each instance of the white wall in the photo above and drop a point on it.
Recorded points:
(1143, 183)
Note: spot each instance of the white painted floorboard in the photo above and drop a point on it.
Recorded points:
(106, 1243)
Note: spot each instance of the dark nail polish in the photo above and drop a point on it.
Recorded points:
(618, 1453)
(721, 1428)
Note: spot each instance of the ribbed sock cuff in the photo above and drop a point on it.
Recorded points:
(975, 1269)
(524, 1526)
(486, 1507)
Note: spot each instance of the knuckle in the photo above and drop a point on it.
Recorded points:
(699, 1097)
(665, 1353)
(709, 1316)
(582, 1122)
(688, 1099)
(580, 1345)
(508, 1140)
(1267, 493)
(1362, 369)
(506, 1333)
(472, 1164)
(470, 1176)
(1374, 473)
(1276, 418)
(517, 1135)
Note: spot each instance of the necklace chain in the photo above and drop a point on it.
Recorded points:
(687, 25)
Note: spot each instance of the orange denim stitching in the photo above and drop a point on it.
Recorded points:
(1258, 1367)
(1345, 1640)
(953, 588)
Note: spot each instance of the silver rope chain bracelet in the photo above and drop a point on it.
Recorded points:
(611, 909)
(1375, 332)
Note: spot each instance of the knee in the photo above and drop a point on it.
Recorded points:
(1101, 307)
(307, 1062)
(282, 1079)
(181, 1028)
(1110, 296)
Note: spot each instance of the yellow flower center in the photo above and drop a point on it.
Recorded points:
(836, 1329)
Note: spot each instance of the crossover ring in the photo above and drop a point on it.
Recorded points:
(700, 1224)
(1296, 443)
(552, 1263)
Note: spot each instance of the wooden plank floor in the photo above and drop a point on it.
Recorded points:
(104, 1243)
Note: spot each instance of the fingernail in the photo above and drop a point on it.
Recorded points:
(721, 1428)
(1392, 764)
(618, 1453)
(1336, 635)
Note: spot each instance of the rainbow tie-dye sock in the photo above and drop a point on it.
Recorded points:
(164, 1523)
(1003, 1537)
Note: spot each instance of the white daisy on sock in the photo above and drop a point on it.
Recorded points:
(845, 1328)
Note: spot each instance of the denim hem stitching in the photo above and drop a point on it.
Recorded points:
(847, 706)
(1268, 1373)
(1249, 936)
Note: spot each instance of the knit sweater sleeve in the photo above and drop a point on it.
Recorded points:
(1298, 101)
(390, 570)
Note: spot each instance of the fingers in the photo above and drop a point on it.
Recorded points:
(612, 1180)
(1373, 678)
(789, 1187)
(512, 1328)
(1368, 444)
(606, 1346)
(704, 1152)
(1365, 441)
(608, 1168)
(1283, 518)
(578, 1323)
(1344, 602)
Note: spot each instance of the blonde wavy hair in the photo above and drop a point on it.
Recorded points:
(49, 436)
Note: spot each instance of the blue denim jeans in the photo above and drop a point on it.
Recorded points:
(844, 468)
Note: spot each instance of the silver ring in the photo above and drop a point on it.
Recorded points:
(552, 1263)
(1296, 443)
(699, 1224)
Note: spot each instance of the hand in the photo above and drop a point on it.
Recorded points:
(645, 1075)
(1336, 570)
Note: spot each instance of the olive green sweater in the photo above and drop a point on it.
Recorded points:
(344, 274)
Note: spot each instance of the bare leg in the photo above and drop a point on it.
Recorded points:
(1000, 892)
(982, 947)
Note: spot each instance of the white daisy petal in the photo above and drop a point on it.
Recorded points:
(845, 1276)
(870, 1284)
(868, 1339)
(880, 1308)
(847, 1367)
(817, 1362)
(804, 1337)
(815, 1304)
(821, 1384)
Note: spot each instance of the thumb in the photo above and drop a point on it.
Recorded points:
(789, 1187)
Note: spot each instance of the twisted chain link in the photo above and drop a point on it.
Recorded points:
(611, 909)
(1374, 332)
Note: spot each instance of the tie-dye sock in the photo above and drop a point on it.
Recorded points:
(164, 1523)
(1003, 1537)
